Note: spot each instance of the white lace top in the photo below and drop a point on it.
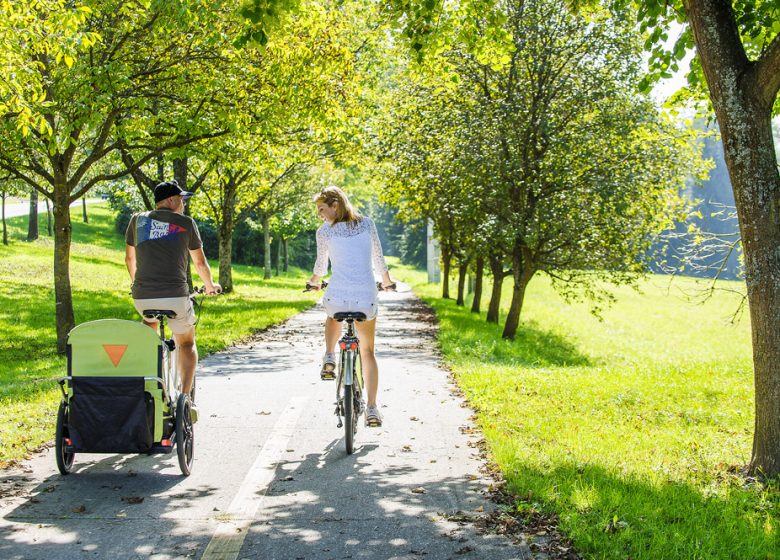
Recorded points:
(353, 247)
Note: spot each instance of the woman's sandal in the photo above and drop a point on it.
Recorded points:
(328, 371)
(373, 418)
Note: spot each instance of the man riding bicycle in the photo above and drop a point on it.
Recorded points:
(159, 244)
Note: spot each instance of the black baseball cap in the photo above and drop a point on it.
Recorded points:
(169, 189)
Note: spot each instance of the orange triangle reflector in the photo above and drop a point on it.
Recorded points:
(115, 352)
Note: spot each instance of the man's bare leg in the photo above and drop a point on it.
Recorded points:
(187, 358)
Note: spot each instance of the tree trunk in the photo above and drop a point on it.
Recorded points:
(62, 290)
(758, 206)
(494, 307)
(225, 240)
(266, 247)
(225, 230)
(160, 168)
(463, 269)
(445, 275)
(180, 172)
(286, 255)
(750, 158)
(32, 221)
(5, 229)
(84, 210)
(522, 274)
(742, 93)
(278, 256)
(478, 273)
(48, 217)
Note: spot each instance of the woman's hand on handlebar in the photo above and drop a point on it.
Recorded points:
(386, 287)
(315, 287)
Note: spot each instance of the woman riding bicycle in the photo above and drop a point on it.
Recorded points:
(352, 244)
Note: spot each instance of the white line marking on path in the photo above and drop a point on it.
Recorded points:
(229, 537)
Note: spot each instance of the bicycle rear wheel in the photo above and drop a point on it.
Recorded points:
(350, 419)
(64, 459)
(185, 435)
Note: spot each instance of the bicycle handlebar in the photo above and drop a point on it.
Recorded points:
(379, 286)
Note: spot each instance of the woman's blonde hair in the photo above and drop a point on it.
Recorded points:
(344, 210)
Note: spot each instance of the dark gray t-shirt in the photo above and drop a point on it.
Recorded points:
(162, 241)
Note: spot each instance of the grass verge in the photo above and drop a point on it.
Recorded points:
(30, 365)
(632, 430)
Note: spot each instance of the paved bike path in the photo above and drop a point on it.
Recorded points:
(271, 479)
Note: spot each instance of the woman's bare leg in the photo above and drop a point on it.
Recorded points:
(366, 332)
(332, 334)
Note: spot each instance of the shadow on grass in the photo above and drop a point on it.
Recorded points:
(467, 335)
(28, 345)
(611, 515)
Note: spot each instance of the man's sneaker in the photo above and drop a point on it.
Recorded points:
(373, 418)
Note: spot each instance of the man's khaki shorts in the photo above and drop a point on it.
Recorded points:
(185, 318)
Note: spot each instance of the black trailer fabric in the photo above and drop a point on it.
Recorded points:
(110, 415)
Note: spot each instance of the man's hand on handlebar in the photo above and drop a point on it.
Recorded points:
(216, 289)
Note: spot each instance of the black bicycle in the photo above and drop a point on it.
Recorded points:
(349, 380)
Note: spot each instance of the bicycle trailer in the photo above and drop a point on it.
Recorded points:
(118, 395)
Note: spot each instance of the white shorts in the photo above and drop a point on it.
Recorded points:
(339, 305)
(185, 318)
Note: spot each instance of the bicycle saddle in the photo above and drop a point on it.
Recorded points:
(154, 313)
(344, 315)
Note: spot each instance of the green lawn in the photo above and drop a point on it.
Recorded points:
(30, 364)
(631, 429)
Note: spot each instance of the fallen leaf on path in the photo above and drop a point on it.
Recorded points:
(288, 478)
(419, 490)
(49, 489)
(133, 499)
(480, 509)
(264, 413)
(414, 419)
(79, 509)
(406, 448)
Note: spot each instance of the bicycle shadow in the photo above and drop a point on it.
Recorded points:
(333, 505)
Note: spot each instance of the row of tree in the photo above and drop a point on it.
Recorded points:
(104, 91)
(736, 76)
(548, 161)
(96, 90)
